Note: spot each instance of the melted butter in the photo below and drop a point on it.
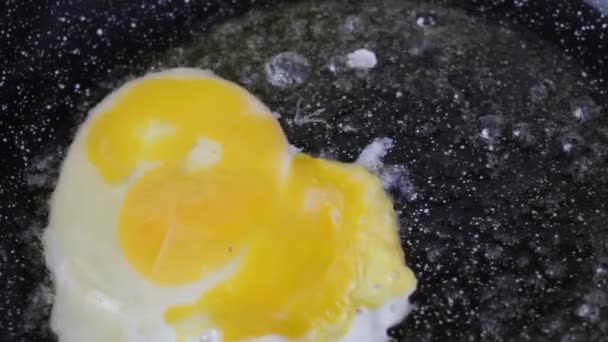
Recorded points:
(318, 239)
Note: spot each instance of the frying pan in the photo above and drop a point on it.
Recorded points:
(498, 110)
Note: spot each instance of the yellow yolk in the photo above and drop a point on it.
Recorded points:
(161, 120)
(315, 239)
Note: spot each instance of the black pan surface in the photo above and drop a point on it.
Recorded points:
(498, 110)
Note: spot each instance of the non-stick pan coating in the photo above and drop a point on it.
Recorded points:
(506, 229)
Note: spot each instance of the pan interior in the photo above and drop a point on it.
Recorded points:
(497, 161)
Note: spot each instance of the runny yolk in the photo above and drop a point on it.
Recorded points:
(211, 181)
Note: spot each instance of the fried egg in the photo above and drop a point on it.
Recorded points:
(182, 214)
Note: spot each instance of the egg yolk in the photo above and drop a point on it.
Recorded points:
(211, 181)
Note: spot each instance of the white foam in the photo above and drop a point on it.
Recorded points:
(372, 155)
(362, 59)
(287, 69)
(397, 177)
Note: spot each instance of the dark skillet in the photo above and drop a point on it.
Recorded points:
(502, 140)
